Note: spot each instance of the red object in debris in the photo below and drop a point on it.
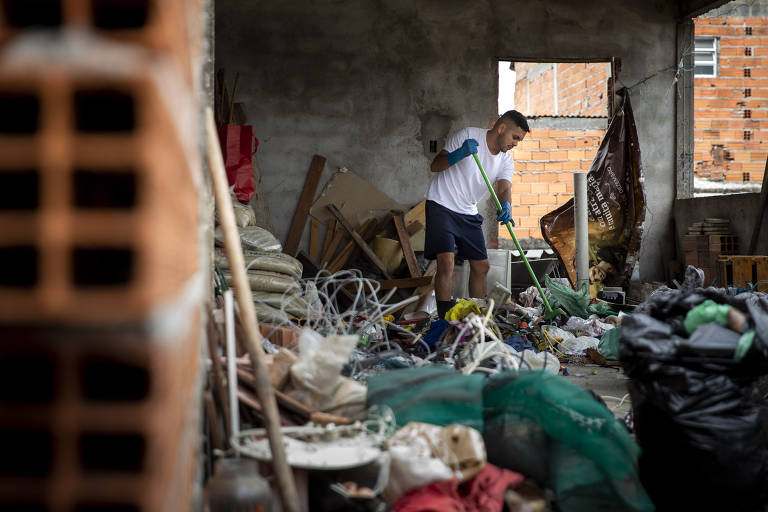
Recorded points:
(238, 148)
(523, 325)
(483, 493)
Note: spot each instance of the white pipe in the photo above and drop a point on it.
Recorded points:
(229, 313)
(581, 222)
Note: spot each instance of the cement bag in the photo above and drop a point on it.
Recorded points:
(616, 207)
(263, 260)
(291, 304)
(261, 281)
(253, 238)
(317, 373)
(268, 314)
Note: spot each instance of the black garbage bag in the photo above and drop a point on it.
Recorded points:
(700, 419)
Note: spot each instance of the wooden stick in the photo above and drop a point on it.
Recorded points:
(338, 236)
(357, 238)
(283, 473)
(329, 234)
(311, 182)
(213, 421)
(405, 244)
(314, 238)
(232, 99)
(218, 373)
(351, 249)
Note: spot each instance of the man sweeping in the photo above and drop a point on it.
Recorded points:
(453, 224)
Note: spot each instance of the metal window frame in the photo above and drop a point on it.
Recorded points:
(700, 52)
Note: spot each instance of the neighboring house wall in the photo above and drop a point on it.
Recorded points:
(555, 96)
(562, 89)
(731, 110)
(545, 163)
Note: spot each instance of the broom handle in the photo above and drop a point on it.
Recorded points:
(514, 238)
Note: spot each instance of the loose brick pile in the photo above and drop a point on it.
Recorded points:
(730, 111)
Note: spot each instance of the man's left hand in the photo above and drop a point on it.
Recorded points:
(505, 214)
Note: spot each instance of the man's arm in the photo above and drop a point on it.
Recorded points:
(503, 190)
(440, 163)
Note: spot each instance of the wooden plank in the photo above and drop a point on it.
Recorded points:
(338, 236)
(421, 291)
(357, 238)
(305, 203)
(406, 282)
(329, 233)
(405, 244)
(417, 214)
(760, 212)
(314, 239)
(351, 249)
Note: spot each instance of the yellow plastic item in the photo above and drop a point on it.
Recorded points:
(462, 309)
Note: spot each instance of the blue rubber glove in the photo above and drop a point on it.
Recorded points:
(466, 149)
(505, 214)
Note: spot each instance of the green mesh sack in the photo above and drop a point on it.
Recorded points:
(543, 426)
(432, 394)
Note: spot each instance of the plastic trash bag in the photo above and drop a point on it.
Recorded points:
(700, 420)
(577, 303)
(609, 344)
(579, 344)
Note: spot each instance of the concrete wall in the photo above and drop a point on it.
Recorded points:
(369, 83)
(741, 209)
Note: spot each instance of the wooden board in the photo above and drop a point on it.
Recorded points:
(405, 243)
(314, 239)
(351, 249)
(417, 214)
(357, 238)
(328, 237)
(338, 236)
(305, 203)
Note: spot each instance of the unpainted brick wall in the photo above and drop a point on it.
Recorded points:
(544, 166)
(581, 89)
(731, 110)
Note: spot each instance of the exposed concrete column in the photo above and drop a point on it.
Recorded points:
(581, 222)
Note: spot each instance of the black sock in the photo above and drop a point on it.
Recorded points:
(443, 306)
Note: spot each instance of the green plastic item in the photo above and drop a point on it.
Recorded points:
(705, 313)
(550, 313)
(609, 344)
(533, 422)
(577, 303)
(745, 342)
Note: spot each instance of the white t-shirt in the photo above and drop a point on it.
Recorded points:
(461, 186)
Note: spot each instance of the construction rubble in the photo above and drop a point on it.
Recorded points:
(384, 406)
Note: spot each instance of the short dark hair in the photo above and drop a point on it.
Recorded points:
(515, 117)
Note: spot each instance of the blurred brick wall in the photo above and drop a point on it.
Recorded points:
(581, 88)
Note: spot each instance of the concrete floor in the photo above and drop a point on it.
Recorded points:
(605, 381)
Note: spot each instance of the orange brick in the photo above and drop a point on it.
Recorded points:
(522, 188)
(540, 211)
(521, 166)
(547, 177)
(540, 155)
(521, 211)
(548, 144)
(528, 145)
(515, 198)
(565, 177)
(529, 177)
(539, 133)
(556, 188)
(573, 143)
(558, 155)
(576, 154)
(529, 199)
(546, 199)
(569, 188)
(521, 155)
(529, 222)
(539, 188)
(553, 166)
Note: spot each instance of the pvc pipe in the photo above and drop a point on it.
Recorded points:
(581, 224)
(229, 313)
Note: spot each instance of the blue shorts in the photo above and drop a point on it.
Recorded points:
(447, 230)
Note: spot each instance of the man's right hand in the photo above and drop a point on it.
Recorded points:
(467, 148)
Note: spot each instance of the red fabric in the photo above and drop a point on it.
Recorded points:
(237, 150)
(484, 493)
